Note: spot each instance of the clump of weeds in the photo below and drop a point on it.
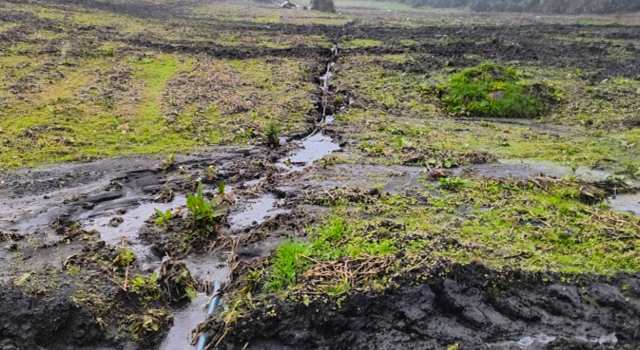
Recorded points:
(146, 288)
(451, 183)
(202, 211)
(146, 328)
(125, 258)
(163, 217)
(272, 135)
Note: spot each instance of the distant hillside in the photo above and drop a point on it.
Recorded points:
(541, 6)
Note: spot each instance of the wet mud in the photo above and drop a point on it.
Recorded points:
(80, 214)
(471, 306)
(46, 322)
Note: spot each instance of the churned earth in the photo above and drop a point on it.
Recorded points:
(379, 178)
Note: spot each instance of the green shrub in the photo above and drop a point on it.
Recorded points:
(492, 91)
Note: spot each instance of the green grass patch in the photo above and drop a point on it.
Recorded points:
(502, 224)
(490, 90)
(335, 240)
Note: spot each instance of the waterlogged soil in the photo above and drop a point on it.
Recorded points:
(63, 227)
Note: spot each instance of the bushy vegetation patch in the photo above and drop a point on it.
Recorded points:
(492, 91)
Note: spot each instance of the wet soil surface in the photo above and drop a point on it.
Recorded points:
(45, 322)
(471, 305)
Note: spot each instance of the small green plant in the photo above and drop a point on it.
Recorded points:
(200, 208)
(272, 135)
(163, 218)
(146, 288)
(452, 183)
(124, 258)
(490, 90)
(221, 187)
(149, 324)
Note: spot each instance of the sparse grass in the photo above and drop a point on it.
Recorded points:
(361, 43)
(333, 241)
(502, 224)
(289, 261)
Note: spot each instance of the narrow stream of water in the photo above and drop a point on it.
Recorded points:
(313, 147)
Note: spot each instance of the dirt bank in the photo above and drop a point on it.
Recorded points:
(472, 306)
(45, 322)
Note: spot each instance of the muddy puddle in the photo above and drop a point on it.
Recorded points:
(527, 168)
(255, 212)
(629, 203)
(115, 228)
(184, 322)
(313, 147)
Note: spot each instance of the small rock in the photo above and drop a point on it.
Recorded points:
(116, 221)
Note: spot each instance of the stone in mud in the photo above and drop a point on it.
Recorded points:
(116, 221)
(323, 5)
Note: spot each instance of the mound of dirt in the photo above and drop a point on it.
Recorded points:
(51, 322)
(471, 306)
(539, 6)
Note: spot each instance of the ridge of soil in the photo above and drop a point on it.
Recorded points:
(469, 305)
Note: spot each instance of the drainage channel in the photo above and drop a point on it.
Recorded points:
(313, 147)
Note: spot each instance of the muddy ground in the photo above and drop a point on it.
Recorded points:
(537, 6)
(321, 132)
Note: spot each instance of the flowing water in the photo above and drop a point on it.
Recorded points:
(313, 147)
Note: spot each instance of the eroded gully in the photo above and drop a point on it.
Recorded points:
(253, 212)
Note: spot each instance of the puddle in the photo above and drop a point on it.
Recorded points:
(256, 212)
(534, 342)
(314, 147)
(629, 203)
(526, 169)
(133, 220)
